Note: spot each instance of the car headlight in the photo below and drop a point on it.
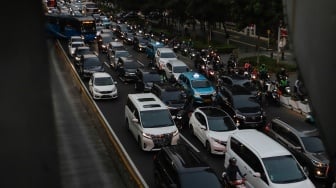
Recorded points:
(317, 163)
(146, 135)
(218, 141)
(103, 46)
(197, 95)
(175, 132)
(240, 116)
(96, 90)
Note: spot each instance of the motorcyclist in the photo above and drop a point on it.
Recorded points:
(283, 83)
(281, 74)
(232, 171)
(263, 72)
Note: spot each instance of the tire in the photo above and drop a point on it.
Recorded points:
(127, 125)
(207, 147)
(139, 143)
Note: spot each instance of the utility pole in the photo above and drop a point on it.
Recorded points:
(278, 42)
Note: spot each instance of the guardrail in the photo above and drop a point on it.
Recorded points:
(126, 167)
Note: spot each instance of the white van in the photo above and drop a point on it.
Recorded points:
(265, 162)
(150, 122)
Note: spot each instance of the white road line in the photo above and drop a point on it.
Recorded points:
(189, 143)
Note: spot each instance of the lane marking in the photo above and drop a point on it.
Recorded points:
(189, 143)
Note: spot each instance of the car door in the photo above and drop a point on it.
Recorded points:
(200, 127)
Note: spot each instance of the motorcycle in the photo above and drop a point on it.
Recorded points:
(272, 94)
(239, 183)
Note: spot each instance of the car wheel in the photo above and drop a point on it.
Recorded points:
(139, 143)
(192, 130)
(207, 147)
(127, 125)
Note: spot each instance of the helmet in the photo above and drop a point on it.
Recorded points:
(232, 160)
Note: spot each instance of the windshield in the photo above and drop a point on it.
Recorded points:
(200, 83)
(92, 62)
(83, 51)
(122, 54)
(103, 81)
(75, 44)
(152, 78)
(283, 169)
(313, 144)
(171, 96)
(221, 124)
(200, 179)
(131, 65)
(180, 69)
(156, 118)
(168, 55)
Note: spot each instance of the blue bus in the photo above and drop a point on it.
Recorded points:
(65, 26)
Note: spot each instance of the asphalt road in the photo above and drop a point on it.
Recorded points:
(113, 110)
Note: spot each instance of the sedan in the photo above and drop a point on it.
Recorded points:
(212, 126)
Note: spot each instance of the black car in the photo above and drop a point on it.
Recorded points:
(90, 63)
(126, 68)
(242, 105)
(172, 95)
(79, 51)
(181, 166)
(145, 80)
(140, 43)
(103, 41)
(305, 143)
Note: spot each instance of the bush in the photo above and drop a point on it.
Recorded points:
(270, 63)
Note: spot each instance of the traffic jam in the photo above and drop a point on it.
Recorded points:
(189, 117)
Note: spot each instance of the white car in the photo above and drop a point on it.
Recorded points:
(162, 56)
(212, 126)
(102, 86)
(73, 45)
(174, 68)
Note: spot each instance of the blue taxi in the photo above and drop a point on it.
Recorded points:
(152, 47)
(197, 86)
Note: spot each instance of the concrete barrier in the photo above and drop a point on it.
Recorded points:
(126, 167)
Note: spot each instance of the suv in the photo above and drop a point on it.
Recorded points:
(181, 166)
(242, 105)
(197, 86)
(305, 143)
(265, 162)
(162, 56)
(114, 46)
(126, 68)
(174, 68)
(145, 80)
(171, 95)
(150, 122)
(212, 126)
(152, 47)
(90, 63)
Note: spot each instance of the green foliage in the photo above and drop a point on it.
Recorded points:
(270, 63)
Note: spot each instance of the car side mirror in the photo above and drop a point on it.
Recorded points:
(256, 174)
(135, 120)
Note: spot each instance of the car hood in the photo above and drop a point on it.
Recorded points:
(173, 104)
(95, 68)
(165, 60)
(105, 88)
(205, 91)
(305, 183)
(321, 157)
(223, 136)
(160, 130)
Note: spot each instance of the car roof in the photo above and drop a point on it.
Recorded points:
(167, 86)
(147, 101)
(177, 62)
(116, 43)
(185, 158)
(194, 75)
(101, 74)
(261, 144)
(301, 130)
(212, 111)
(165, 49)
(89, 55)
